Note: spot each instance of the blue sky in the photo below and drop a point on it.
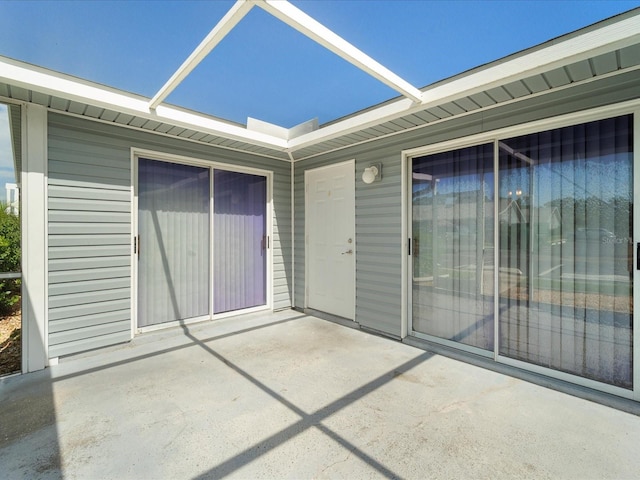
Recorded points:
(7, 174)
(266, 70)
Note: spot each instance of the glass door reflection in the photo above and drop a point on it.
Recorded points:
(452, 229)
(566, 258)
(10, 240)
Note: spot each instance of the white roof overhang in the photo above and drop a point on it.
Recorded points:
(60, 85)
(607, 48)
(591, 44)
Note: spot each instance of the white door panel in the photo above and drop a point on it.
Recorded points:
(331, 239)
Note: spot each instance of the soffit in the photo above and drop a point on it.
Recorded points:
(587, 70)
(60, 104)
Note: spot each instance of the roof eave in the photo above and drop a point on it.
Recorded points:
(56, 84)
(562, 51)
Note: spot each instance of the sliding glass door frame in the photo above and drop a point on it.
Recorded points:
(626, 108)
(136, 155)
(408, 160)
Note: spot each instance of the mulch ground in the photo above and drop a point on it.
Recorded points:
(610, 303)
(10, 344)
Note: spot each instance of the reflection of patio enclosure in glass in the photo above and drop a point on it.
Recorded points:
(453, 245)
(563, 219)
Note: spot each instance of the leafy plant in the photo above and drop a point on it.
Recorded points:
(9, 259)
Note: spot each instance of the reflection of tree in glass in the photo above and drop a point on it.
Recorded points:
(9, 259)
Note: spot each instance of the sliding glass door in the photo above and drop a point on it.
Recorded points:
(452, 198)
(562, 214)
(240, 241)
(202, 241)
(566, 257)
(173, 242)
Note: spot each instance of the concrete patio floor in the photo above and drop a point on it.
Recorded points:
(287, 395)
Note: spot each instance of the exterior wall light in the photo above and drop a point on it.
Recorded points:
(372, 174)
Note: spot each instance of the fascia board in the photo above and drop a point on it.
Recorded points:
(49, 83)
(256, 125)
(611, 37)
(320, 34)
(359, 122)
(582, 47)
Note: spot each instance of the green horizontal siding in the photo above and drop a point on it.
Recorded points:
(379, 251)
(89, 227)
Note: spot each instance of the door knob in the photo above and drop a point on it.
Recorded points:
(348, 252)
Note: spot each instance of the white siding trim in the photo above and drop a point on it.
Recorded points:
(134, 238)
(608, 38)
(34, 239)
(446, 119)
(162, 134)
(406, 231)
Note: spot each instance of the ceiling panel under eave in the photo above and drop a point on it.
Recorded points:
(629, 56)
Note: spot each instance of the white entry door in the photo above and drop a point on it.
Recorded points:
(330, 239)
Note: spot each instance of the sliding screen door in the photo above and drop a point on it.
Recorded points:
(239, 241)
(452, 210)
(173, 227)
(179, 234)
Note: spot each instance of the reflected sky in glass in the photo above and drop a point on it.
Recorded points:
(7, 174)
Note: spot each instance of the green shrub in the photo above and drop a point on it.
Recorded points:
(9, 260)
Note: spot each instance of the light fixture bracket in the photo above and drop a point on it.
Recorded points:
(373, 173)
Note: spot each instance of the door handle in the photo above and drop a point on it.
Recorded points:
(348, 252)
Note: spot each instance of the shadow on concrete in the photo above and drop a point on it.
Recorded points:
(29, 435)
(307, 420)
(29, 441)
(183, 346)
(29, 438)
